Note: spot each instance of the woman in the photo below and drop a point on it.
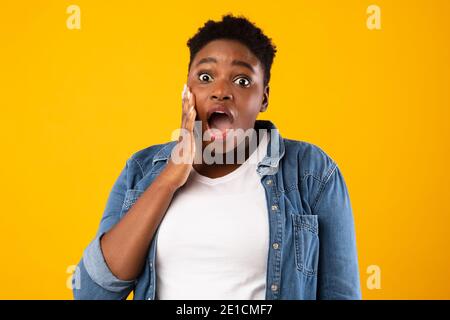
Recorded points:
(184, 222)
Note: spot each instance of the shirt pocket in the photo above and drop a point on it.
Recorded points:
(131, 197)
(306, 237)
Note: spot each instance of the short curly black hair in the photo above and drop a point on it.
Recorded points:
(235, 28)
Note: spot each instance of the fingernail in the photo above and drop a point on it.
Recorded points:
(189, 94)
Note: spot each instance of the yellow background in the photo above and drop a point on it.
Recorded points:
(75, 104)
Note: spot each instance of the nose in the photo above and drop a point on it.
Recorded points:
(221, 91)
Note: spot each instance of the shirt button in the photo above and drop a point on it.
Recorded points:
(269, 182)
(275, 246)
(274, 287)
(274, 207)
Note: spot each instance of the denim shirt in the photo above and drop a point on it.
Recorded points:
(312, 252)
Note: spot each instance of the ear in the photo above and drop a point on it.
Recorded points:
(265, 102)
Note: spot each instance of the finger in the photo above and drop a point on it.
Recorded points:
(191, 120)
(190, 97)
(186, 118)
(184, 100)
(183, 93)
(185, 106)
(186, 123)
(188, 102)
(183, 123)
(192, 110)
(193, 148)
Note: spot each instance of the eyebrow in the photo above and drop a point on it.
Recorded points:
(234, 63)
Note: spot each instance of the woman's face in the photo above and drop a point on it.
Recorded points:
(227, 77)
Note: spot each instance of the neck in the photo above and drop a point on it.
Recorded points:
(216, 170)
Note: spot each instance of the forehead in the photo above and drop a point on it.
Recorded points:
(226, 51)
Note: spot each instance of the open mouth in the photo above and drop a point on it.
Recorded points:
(219, 121)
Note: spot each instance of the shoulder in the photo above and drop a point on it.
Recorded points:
(311, 160)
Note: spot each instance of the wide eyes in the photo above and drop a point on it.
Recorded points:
(240, 80)
(204, 77)
(243, 82)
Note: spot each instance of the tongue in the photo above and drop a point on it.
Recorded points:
(220, 121)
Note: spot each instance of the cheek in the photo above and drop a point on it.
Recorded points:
(200, 95)
(250, 106)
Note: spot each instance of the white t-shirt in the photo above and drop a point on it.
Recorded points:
(213, 241)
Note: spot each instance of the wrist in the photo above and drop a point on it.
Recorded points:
(165, 182)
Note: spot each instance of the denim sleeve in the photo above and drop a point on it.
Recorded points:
(96, 281)
(338, 276)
